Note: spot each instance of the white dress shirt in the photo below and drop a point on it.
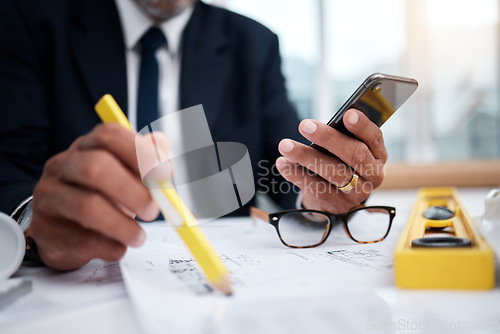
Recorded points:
(134, 24)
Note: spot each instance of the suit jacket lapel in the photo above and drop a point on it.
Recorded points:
(99, 51)
(205, 57)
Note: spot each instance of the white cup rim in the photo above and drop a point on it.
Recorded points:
(10, 229)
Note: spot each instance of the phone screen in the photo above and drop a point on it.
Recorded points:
(378, 97)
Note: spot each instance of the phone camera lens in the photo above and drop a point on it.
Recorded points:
(377, 88)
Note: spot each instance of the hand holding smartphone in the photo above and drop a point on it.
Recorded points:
(330, 186)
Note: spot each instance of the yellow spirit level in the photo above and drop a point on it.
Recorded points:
(440, 246)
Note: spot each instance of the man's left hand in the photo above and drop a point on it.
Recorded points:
(365, 154)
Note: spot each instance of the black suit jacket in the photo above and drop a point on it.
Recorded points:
(58, 57)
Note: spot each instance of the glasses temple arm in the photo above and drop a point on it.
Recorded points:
(256, 213)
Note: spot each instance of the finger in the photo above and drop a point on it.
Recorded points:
(63, 245)
(88, 209)
(351, 151)
(326, 196)
(141, 153)
(152, 157)
(99, 170)
(114, 138)
(328, 167)
(367, 131)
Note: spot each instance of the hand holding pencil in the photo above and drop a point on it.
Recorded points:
(174, 210)
(83, 202)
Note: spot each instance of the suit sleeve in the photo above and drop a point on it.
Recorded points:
(23, 109)
(280, 121)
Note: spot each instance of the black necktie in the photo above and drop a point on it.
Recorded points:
(147, 99)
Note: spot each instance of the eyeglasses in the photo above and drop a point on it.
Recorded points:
(311, 228)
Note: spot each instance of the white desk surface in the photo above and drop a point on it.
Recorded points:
(114, 313)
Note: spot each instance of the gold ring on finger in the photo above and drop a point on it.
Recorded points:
(351, 184)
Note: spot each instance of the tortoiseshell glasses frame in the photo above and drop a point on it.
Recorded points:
(387, 212)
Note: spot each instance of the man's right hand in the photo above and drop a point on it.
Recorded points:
(85, 202)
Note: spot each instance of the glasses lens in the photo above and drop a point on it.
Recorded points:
(369, 224)
(301, 229)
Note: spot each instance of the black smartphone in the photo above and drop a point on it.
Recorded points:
(378, 97)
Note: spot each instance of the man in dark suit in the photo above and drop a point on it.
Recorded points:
(58, 58)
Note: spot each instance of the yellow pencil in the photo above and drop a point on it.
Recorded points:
(175, 211)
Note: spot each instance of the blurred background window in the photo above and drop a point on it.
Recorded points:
(450, 46)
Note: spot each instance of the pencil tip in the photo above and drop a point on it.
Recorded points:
(224, 285)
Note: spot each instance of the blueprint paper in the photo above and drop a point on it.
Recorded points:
(168, 290)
